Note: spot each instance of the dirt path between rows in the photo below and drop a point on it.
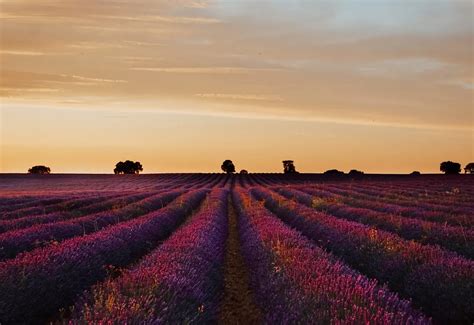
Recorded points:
(238, 306)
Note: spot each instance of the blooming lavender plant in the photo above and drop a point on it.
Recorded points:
(445, 282)
(297, 282)
(453, 238)
(74, 209)
(420, 211)
(179, 282)
(36, 284)
(14, 242)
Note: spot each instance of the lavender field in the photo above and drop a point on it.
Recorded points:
(256, 248)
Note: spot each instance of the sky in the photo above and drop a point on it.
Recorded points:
(383, 86)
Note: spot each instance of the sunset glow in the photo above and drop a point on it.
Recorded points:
(180, 85)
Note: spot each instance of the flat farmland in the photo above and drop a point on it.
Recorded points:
(255, 248)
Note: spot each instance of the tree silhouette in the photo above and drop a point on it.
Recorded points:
(244, 172)
(128, 167)
(40, 169)
(415, 173)
(449, 167)
(333, 172)
(228, 166)
(289, 167)
(469, 168)
(355, 172)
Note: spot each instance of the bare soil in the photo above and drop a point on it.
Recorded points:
(238, 305)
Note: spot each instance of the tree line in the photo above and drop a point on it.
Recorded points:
(135, 167)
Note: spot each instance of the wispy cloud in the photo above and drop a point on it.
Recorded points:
(92, 79)
(463, 83)
(141, 43)
(94, 45)
(205, 70)
(30, 90)
(71, 101)
(163, 19)
(197, 4)
(402, 66)
(18, 52)
(241, 97)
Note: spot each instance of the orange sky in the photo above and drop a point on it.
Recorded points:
(382, 86)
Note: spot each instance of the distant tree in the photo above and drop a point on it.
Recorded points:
(289, 167)
(244, 172)
(333, 172)
(355, 172)
(228, 166)
(128, 167)
(449, 167)
(415, 173)
(40, 169)
(469, 168)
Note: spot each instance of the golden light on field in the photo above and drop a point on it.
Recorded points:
(381, 86)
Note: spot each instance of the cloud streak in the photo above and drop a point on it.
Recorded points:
(162, 19)
(205, 70)
(100, 80)
(22, 53)
(241, 97)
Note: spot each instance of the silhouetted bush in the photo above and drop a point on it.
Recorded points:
(333, 172)
(40, 170)
(469, 168)
(228, 166)
(244, 172)
(289, 167)
(355, 172)
(449, 167)
(128, 167)
(415, 173)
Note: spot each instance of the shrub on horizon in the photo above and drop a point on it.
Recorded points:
(450, 168)
(333, 172)
(289, 167)
(228, 166)
(469, 169)
(355, 172)
(128, 167)
(39, 170)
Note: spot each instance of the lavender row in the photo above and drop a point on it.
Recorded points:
(14, 242)
(115, 203)
(456, 239)
(49, 199)
(10, 202)
(71, 203)
(297, 282)
(449, 209)
(178, 283)
(35, 285)
(401, 189)
(32, 202)
(440, 217)
(438, 281)
(426, 189)
(380, 196)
